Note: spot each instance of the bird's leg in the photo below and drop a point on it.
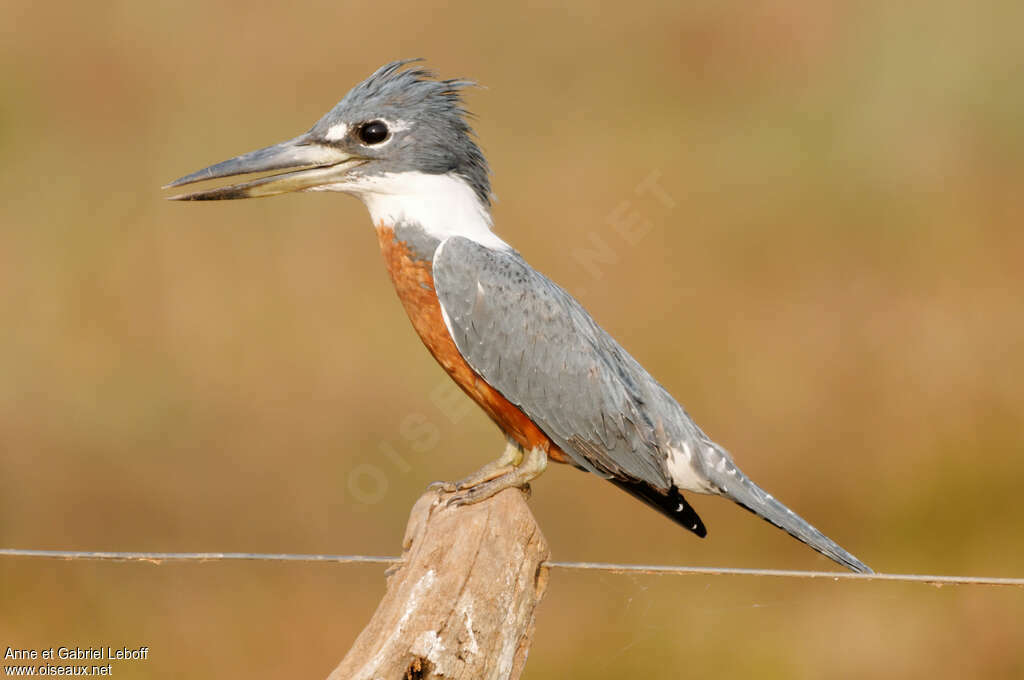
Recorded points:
(533, 463)
(506, 462)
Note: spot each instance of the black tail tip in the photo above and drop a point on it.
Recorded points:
(671, 504)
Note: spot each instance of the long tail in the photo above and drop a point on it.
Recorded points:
(740, 489)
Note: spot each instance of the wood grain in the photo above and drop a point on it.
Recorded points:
(461, 605)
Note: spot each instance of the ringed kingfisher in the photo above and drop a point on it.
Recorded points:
(557, 384)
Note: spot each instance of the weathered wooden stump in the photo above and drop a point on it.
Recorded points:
(461, 605)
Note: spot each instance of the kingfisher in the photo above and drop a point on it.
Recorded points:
(556, 384)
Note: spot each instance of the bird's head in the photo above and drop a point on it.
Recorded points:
(398, 132)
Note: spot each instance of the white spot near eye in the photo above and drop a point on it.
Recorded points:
(336, 132)
(398, 125)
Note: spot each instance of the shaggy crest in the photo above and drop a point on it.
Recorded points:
(440, 140)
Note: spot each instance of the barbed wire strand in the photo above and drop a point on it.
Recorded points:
(639, 569)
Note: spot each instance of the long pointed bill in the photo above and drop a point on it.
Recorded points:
(309, 164)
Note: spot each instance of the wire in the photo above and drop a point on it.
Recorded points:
(642, 569)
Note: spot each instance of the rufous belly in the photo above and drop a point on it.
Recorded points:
(414, 283)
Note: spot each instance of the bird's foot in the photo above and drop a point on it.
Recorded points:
(519, 476)
(509, 459)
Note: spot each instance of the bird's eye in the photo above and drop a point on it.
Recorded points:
(373, 132)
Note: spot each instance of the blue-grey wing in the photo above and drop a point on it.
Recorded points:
(535, 344)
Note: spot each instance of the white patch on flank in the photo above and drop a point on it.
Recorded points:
(444, 205)
(479, 289)
(681, 470)
(336, 132)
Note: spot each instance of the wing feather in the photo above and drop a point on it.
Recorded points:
(536, 345)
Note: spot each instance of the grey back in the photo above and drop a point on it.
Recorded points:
(534, 343)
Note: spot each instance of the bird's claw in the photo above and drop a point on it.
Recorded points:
(480, 492)
(512, 470)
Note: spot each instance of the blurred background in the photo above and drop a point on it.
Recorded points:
(803, 218)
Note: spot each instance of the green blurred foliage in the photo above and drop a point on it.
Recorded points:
(831, 282)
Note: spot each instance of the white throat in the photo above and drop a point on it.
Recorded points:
(444, 205)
